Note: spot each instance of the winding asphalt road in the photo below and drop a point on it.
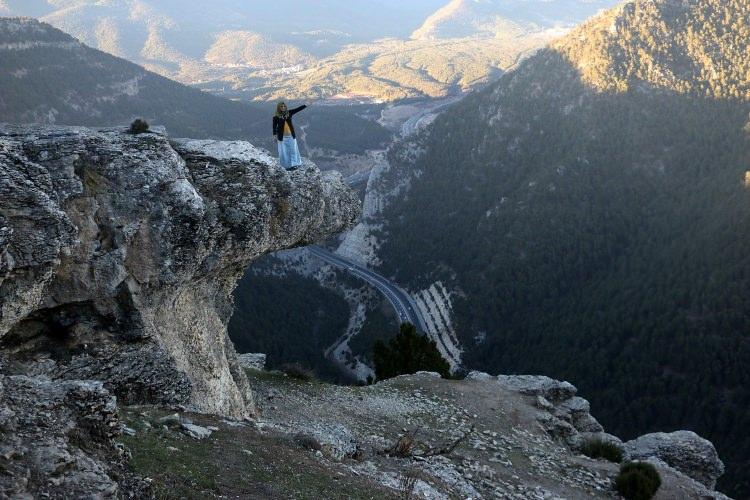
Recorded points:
(400, 300)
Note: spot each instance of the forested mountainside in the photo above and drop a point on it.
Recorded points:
(47, 76)
(591, 213)
(330, 49)
(263, 321)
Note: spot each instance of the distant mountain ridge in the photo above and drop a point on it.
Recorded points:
(331, 49)
(679, 46)
(462, 18)
(47, 76)
(589, 214)
(244, 48)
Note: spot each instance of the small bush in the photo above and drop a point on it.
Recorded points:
(297, 371)
(598, 449)
(138, 127)
(638, 481)
(404, 447)
(308, 442)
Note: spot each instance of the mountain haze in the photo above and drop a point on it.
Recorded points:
(462, 18)
(590, 214)
(380, 51)
(46, 76)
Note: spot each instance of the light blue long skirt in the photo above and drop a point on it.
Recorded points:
(289, 153)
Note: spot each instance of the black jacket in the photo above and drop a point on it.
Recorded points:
(278, 123)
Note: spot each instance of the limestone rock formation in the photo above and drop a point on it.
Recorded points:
(58, 441)
(398, 426)
(539, 385)
(119, 253)
(683, 450)
(566, 418)
(256, 361)
(563, 415)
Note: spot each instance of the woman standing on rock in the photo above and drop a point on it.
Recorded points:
(283, 130)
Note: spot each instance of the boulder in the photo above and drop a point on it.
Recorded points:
(539, 385)
(196, 431)
(684, 451)
(475, 375)
(254, 361)
(335, 441)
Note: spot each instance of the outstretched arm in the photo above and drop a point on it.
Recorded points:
(297, 110)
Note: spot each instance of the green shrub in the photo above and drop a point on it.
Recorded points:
(597, 449)
(138, 127)
(308, 442)
(408, 352)
(638, 481)
(297, 371)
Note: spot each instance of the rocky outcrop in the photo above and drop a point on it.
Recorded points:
(683, 450)
(563, 415)
(566, 418)
(58, 441)
(255, 361)
(119, 253)
(402, 425)
(552, 390)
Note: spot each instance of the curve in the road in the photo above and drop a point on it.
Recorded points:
(401, 301)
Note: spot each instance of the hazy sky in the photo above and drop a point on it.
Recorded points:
(361, 18)
(320, 27)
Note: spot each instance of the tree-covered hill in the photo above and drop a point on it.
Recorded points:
(292, 319)
(591, 212)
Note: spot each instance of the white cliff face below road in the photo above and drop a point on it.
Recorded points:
(436, 309)
(360, 244)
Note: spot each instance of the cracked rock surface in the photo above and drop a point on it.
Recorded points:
(59, 441)
(119, 253)
(118, 257)
(686, 451)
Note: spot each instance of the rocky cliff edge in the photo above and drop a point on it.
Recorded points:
(119, 253)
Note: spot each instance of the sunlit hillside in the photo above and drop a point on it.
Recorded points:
(321, 50)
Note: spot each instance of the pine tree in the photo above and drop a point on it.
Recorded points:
(408, 352)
